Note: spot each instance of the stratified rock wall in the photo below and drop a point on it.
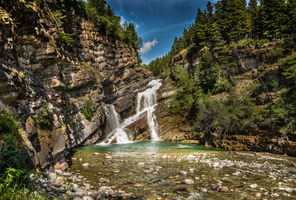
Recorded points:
(58, 92)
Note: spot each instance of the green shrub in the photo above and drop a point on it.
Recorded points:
(289, 44)
(59, 17)
(43, 119)
(87, 111)
(288, 69)
(66, 39)
(222, 85)
(7, 124)
(263, 41)
(280, 115)
(234, 115)
(275, 54)
(11, 155)
(16, 184)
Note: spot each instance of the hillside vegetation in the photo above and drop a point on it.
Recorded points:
(222, 91)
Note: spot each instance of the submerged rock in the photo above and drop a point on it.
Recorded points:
(189, 181)
(103, 180)
(183, 172)
(85, 164)
(203, 190)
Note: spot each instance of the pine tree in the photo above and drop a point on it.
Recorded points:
(291, 11)
(233, 19)
(254, 11)
(199, 28)
(210, 9)
(274, 18)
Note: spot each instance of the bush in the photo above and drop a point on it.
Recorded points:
(288, 69)
(16, 184)
(235, 114)
(7, 124)
(275, 54)
(222, 85)
(87, 111)
(11, 155)
(44, 119)
(66, 39)
(281, 113)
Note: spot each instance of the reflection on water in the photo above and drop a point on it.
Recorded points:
(172, 170)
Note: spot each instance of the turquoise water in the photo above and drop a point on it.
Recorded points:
(164, 170)
(147, 147)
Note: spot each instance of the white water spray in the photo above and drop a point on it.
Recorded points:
(146, 102)
(113, 125)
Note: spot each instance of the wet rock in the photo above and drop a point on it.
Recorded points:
(85, 164)
(288, 190)
(203, 190)
(293, 177)
(189, 181)
(223, 189)
(225, 179)
(61, 166)
(237, 173)
(87, 198)
(103, 180)
(216, 186)
(183, 173)
(258, 195)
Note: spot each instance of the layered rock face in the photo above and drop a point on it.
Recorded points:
(57, 92)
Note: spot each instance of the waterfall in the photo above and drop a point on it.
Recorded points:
(113, 125)
(146, 102)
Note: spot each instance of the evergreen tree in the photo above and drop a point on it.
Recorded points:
(233, 19)
(199, 28)
(274, 17)
(210, 9)
(291, 11)
(254, 11)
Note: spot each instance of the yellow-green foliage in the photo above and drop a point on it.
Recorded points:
(7, 124)
(66, 39)
(14, 175)
(87, 111)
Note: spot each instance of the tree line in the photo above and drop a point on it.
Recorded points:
(208, 98)
(230, 21)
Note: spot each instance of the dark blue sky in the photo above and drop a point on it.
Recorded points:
(158, 21)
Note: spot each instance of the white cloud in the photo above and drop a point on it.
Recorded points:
(123, 20)
(148, 46)
(166, 28)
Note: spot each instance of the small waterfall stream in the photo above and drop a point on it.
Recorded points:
(146, 102)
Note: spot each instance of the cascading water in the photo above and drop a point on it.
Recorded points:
(113, 125)
(146, 102)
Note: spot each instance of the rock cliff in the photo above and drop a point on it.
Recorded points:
(58, 92)
(254, 66)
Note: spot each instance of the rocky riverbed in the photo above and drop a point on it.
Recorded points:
(68, 185)
(148, 170)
